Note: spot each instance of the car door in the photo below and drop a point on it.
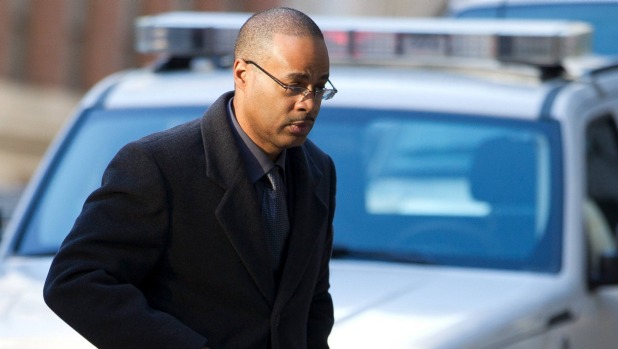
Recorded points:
(600, 218)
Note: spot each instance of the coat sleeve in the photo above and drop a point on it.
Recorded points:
(93, 282)
(321, 318)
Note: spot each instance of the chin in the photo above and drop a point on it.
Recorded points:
(296, 142)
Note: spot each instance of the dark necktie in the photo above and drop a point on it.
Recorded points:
(275, 212)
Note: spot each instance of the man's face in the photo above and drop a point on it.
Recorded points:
(274, 119)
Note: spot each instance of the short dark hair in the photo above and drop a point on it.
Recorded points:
(255, 35)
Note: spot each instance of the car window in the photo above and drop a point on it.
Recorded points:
(461, 191)
(601, 15)
(78, 168)
(417, 187)
(602, 167)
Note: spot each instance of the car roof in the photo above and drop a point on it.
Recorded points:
(404, 88)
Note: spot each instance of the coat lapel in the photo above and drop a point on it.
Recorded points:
(239, 216)
(306, 223)
(238, 211)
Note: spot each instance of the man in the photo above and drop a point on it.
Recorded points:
(179, 247)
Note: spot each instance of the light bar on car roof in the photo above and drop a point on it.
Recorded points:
(382, 40)
(189, 33)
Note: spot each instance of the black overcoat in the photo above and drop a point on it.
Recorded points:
(170, 252)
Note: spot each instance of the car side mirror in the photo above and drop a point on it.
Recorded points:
(608, 270)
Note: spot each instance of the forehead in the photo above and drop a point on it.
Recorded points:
(299, 52)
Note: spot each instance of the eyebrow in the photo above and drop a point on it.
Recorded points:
(305, 77)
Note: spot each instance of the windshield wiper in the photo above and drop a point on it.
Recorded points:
(39, 253)
(340, 252)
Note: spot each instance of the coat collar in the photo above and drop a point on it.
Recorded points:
(239, 208)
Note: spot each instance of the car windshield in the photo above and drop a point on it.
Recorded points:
(601, 15)
(78, 168)
(412, 187)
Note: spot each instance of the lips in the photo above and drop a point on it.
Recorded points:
(301, 127)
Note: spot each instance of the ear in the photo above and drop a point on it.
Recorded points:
(239, 71)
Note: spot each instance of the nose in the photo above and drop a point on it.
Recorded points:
(308, 102)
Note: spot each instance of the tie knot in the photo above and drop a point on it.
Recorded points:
(274, 178)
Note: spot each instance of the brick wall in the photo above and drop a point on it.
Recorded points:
(75, 43)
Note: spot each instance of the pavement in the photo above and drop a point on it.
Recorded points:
(30, 117)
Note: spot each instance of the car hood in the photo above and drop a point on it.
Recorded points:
(383, 305)
(25, 320)
(388, 305)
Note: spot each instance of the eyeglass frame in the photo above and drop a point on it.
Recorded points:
(299, 90)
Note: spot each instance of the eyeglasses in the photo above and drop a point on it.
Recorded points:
(321, 93)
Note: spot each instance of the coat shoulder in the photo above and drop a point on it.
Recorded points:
(188, 137)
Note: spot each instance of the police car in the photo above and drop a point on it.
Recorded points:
(477, 170)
